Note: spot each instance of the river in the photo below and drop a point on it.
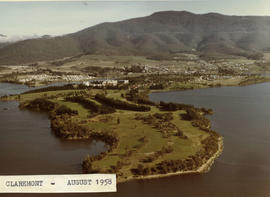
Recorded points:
(241, 116)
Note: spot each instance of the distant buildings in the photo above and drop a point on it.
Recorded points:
(105, 82)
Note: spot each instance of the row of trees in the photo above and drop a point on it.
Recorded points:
(118, 104)
(173, 106)
(91, 105)
(176, 106)
(55, 88)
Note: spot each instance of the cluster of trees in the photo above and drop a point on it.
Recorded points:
(155, 119)
(206, 111)
(173, 106)
(198, 119)
(63, 127)
(135, 69)
(180, 134)
(91, 105)
(164, 116)
(204, 124)
(89, 168)
(210, 146)
(118, 104)
(168, 129)
(110, 138)
(87, 164)
(162, 122)
(117, 167)
(39, 104)
(146, 102)
(164, 150)
(192, 114)
(136, 97)
(158, 86)
(65, 110)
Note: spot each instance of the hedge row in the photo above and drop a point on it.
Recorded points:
(118, 104)
(91, 105)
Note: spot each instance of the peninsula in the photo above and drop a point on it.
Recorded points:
(144, 139)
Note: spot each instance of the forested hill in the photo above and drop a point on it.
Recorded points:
(161, 33)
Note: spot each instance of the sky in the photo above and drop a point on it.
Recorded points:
(21, 20)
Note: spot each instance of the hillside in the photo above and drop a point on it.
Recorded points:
(160, 33)
(3, 44)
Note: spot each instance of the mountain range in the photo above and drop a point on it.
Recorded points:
(162, 33)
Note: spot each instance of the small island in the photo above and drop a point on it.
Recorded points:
(144, 139)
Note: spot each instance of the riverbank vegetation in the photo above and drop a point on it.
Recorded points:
(143, 138)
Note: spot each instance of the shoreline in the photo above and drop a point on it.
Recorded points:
(266, 80)
(204, 168)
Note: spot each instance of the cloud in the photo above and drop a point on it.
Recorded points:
(15, 38)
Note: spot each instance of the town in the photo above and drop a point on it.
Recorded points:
(185, 71)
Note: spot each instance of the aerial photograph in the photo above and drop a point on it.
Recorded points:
(171, 96)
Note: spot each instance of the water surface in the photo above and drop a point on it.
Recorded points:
(28, 146)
